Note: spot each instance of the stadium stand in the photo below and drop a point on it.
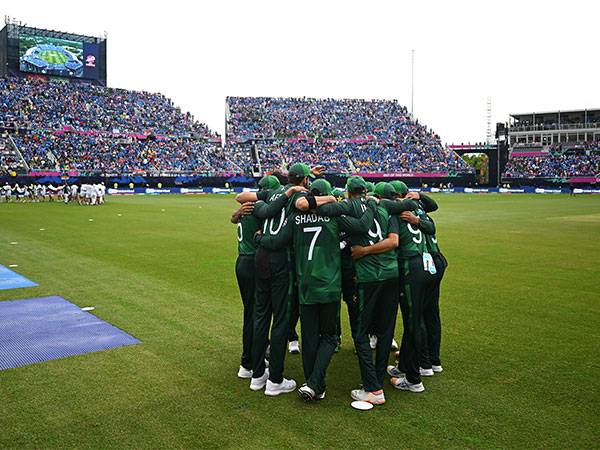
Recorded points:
(11, 160)
(345, 135)
(97, 130)
(557, 145)
(34, 104)
(94, 130)
(556, 161)
(88, 154)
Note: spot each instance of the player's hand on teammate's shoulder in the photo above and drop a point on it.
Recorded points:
(295, 189)
(247, 208)
(410, 218)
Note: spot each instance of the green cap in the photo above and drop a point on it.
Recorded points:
(320, 187)
(268, 182)
(300, 170)
(399, 187)
(338, 193)
(356, 184)
(370, 187)
(384, 190)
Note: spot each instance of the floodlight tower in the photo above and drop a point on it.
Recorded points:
(489, 138)
(412, 81)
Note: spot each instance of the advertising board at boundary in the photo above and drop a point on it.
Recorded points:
(454, 190)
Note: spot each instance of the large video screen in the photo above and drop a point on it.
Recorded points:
(53, 56)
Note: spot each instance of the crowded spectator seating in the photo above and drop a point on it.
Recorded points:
(93, 129)
(37, 104)
(11, 162)
(554, 161)
(95, 154)
(344, 135)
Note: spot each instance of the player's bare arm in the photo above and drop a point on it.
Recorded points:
(294, 190)
(244, 210)
(389, 243)
(302, 204)
(244, 197)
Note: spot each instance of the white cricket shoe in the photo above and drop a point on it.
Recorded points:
(426, 372)
(373, 342)
(437, 369)
(307, 393)
(244, 373)
(394, 345)
(393, 371)
(375, 398)
(285, 387)
(294, 347)
(403, 384)
(256, 384)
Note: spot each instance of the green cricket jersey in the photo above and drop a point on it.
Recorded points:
(246, 228)
(432, 243)
(352, 207)
(316, 248)
(427, 203)
(382, 266)
(358, 206)
(412, 238)
(291, 205)
(399, 206)
(250, 224)
(272, 211)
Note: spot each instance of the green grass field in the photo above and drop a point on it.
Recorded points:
(520, 305)
(53, 57)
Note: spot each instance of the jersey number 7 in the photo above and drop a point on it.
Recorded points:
(317, 231)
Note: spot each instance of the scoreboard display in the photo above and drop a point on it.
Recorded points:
(48, 53)
(61, 57)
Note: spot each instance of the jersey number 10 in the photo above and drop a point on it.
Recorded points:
(271, 224)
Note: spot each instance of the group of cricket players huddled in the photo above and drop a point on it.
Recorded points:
(303, 246)
(84, 194)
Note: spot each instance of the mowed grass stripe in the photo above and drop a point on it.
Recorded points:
(53, 57)
(519, 306)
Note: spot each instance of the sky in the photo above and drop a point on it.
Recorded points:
(526, 55)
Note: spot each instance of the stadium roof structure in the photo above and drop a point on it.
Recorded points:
(573, 119)
(589, 111)
(15, 30)
(555, 127)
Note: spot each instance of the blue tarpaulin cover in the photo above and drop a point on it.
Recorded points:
(12, 280)
(40, 329)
